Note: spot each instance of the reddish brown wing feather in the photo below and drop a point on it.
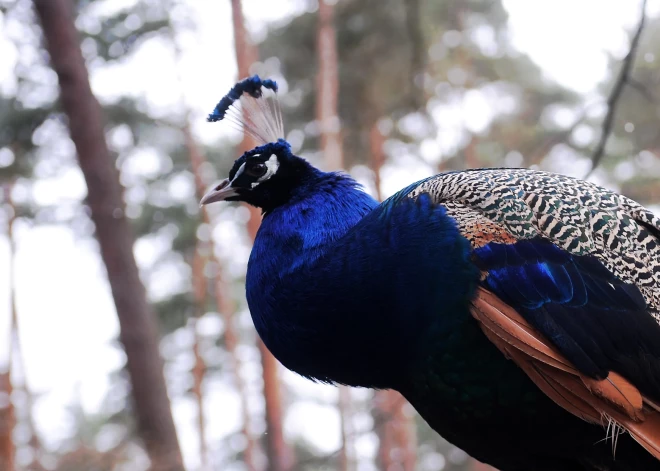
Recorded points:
(592, 400)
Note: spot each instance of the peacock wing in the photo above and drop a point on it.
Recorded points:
(570, 288)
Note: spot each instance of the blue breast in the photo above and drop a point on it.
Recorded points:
(340, 289)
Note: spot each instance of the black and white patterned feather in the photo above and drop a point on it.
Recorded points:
(580, 217)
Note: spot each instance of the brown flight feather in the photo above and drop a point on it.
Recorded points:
(593, 400)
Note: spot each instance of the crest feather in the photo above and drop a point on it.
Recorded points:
(259, 116)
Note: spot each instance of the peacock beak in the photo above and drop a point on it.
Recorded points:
(220, 192)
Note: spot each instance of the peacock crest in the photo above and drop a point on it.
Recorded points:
(252, 106)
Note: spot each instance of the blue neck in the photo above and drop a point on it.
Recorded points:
(338, 288)
(321, 210)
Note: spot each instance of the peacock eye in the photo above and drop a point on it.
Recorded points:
(256, 169)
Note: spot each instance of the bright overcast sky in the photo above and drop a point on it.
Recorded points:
(67, 318)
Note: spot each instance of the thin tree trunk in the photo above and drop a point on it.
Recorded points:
(470, 154)
(138, 328)
(327, 82)
(199, 367)
(346, 455)
(7, 423)
(223, 303)
(327, 115)
(395, 430)
(226, 307)
(7, 414)
(376, 141)
(417, 52)
(280, 455)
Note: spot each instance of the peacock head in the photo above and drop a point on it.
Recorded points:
(268, 175)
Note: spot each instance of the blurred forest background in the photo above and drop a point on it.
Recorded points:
(390, 90)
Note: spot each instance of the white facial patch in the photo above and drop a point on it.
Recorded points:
(272, 164)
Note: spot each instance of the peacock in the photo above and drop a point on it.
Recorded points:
(517, 310)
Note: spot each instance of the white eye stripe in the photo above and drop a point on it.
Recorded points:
(272, 164)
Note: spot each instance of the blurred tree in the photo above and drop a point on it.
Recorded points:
(199, 367)
(7, 414)
(395, 428)
(223, 302)
(327, 89)
(327, 86)
(138, 329)
(7, 423)
(158, 214)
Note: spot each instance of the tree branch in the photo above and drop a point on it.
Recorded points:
(617, 90)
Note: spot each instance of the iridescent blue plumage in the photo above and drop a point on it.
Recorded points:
(516, 310)
(561, 295)
(323, 272)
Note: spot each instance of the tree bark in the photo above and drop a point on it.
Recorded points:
(346, 455)
(7, 423)
(138, 329)
(278, 451)
(395, 430)
(280, 455)
(376, 141)
(223, 303)
(199, 367)
(327, 82)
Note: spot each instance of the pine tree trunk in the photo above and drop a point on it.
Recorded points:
(346, 454)
(138, 329)
(280, 455)
(327, 82)
(199, 367)
(376, 141)
(395, 430)
(7, 423)
(223, 303)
